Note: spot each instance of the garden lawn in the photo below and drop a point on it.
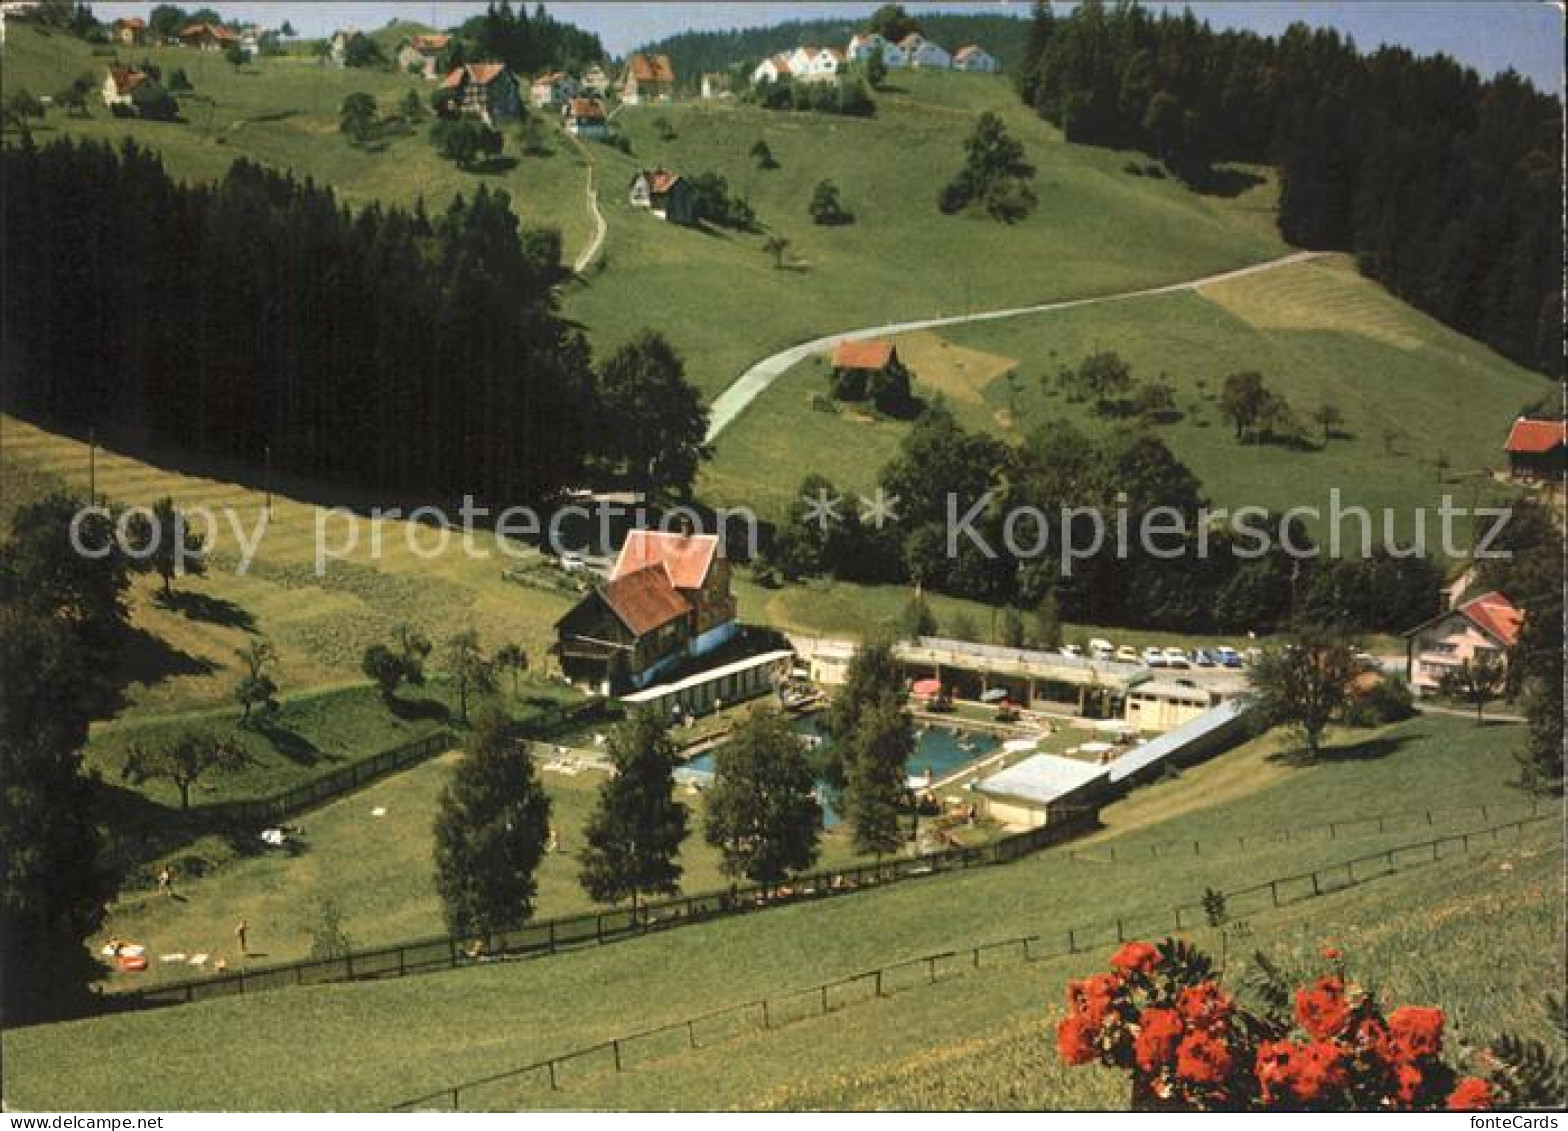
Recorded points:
(368, 1045)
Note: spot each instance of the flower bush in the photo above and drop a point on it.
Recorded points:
(1161, 1015)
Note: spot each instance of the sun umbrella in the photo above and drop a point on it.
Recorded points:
(927, 687)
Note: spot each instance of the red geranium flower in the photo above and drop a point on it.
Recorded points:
(1139, 956)
(1319, 1069)
(1333, 953)
(1416, 1031)
(1075, 1040)
(1322, 1009)
(1204, 1006)
(1275, 1070)
(1091, 998)
(1409, 1079)
(1159, 1030)
(1471, 1094)
(1203, 1058)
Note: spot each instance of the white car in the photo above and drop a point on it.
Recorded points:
(1070, 650)
(1176, 658)
(1154, 658)
(573, 563)
(1101, 647)
(1127, 654)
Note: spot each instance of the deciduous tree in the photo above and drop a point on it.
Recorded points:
(633, 838)
(762, 812)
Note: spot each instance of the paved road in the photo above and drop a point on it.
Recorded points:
(751, 384)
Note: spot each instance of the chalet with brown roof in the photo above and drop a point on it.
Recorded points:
(555, 88)
(667, 195)
(421, 54)
(648, 78)
(119, 84)
(667, 599)
(871, 367)
(1537, 450)
(585, 117)
(208, 37)
(1484, 625)
(487, 91)
(130, 31)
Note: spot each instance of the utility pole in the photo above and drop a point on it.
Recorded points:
(92, 465)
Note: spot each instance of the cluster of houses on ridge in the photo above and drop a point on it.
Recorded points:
(813, 63)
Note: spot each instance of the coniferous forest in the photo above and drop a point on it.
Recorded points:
(384, 348)
(1444, 186)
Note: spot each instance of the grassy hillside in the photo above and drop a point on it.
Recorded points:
(348, 1046)
(1411, 392)
(283, 112)
(718, 296)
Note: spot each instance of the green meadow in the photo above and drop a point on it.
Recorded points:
(1470, 933)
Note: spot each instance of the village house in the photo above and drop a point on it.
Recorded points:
(118, 85)
(648, 78)
(715, 85)
(130, 31)
(975, 58)
(669, 196)
(1537, 450)
(208, 37)
(862, 47)
(421, 54)
(585, 118)
(815, 64)
(337, 50)
(556, 88)
(920, 53)
(855, 363)
(667, 599)
(487, 91)
(1484, 625)
(596, 80)
(772, 70)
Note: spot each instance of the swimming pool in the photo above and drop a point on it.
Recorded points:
(938, 750)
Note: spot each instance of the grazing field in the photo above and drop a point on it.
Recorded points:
(1317, 331)
(1440, 933)
(282, 111)
(720, 299)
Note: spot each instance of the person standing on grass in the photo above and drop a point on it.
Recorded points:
(241, 930)
(165, 882)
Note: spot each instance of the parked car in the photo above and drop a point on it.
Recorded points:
(1176, 658)
(1203, 658)
(1227, 657)
(1101, 649)
(1127, 654)
(1153, 657)
(573, 563)
(1070, 650)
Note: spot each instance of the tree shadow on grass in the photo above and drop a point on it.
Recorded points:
(296, 748)
(149, 660)
(1367, 750)
(1223, 181)
(492, 166)
(412, 709)
(208, 609)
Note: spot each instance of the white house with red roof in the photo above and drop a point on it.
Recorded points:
(922, 54)
(772, 70)
(1537, 450)
(585, 117)
(119, 84)
(1484, 625)
(811, 63)
(421, 54)
(862, 47)
(556, 88)
(667, 599)
(488, 91)
(973, 57)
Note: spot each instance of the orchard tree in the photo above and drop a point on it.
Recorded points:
(1328, 417)
(467, 666)
(633, 838)
(762, 809)
(1243, 401)
(385, 668)
(184, 760)
(512, 659)
(763, 156)
(826, 207)
(492, 824)
(358, 118)
(168, 546)
(778, 248)
(256, 687)
(1304, 683)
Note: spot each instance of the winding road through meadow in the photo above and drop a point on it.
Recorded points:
(733, 401)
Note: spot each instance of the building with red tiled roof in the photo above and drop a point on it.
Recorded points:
(131, 31)
(585, 117)
(666, 194)
(873, 354)
(487, 91)
(119, 84)
(648, 78)
(1487, 625)
(421, 54)
(208, 37)
(667, 599)
(1537, 449)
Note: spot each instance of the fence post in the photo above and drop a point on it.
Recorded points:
(879, 983)
(1484, 817)
(1196, 850)
(824, 999)
(552, 936)
(767, 1022)
(402, 963)
(1119, 937)
(1333, 830)
(348, 963)
(1315, 889)
(1380, 823)
(554, 1087)
(1429, 818)
(1274, 891)
(451, 946)
(615, 1046)
(1072, 944)
(976, 961)
(691, 1033)
(456, 1092)
(1178, 918)
(931, 969)
(598, 928)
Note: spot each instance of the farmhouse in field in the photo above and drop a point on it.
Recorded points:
(870, 368)
(118, 85)
(772, 70)
(596, 80)
(816, 64)
(585, 118)
(648, 78)
(669, 196)
(130, 31)
(208, 37)
(862, 47)
(1537, 450)
(667, 599)
(421, 54)
(1484, 625)
(920, 53)
(975, 58)
(715, 85)
(556, 88)
(487, 91)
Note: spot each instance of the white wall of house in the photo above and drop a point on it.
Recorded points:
(1444, 645)
(977, 60)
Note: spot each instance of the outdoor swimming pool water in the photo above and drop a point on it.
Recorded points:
(937, 749)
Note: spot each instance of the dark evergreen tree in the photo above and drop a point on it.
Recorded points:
(633, 838)
(762, 812)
